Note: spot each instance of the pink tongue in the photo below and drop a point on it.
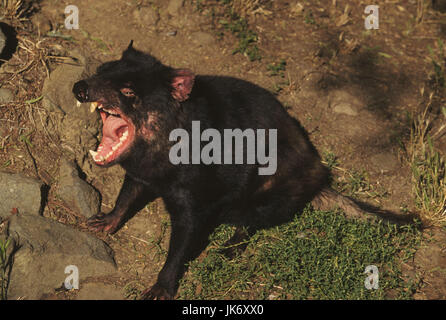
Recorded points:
(110, 127)
(109, 133)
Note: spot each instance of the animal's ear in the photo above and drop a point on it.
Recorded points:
(182, 83)
(129, 51)
(128, 92)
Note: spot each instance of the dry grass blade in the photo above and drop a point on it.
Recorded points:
(29, 55)
(12, 9)
(246, 8)
(428, 171)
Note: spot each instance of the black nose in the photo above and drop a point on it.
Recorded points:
(80, 90)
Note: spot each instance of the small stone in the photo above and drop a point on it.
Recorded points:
(343, 102)
(19, 193)
(75, 192)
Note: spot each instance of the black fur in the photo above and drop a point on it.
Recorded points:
(200, 197)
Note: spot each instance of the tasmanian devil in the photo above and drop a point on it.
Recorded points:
(141, 101)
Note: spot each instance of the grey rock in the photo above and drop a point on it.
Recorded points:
(6, 95)
(57, 89)
(174, 7)
(146, 16)
(76, 126)
(45, 248)
(343, 102)
(18, 191)
(75, 192)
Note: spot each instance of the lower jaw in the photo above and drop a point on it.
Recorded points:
(107, 155)
(111, 161)
(106, 164)
(104, 161)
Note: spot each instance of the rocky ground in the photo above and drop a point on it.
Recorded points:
(352, 89)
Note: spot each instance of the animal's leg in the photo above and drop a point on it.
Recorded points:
(132, 195)
(189, 236)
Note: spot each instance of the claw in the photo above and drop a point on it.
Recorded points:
(103, 222)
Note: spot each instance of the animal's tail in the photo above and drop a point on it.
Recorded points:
(328, 199)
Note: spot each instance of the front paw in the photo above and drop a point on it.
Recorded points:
(104, 222)
(157, 292)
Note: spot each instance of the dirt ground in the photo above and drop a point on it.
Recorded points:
(385, 75)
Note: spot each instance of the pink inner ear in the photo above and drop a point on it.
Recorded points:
(182, 84)
(127, 92)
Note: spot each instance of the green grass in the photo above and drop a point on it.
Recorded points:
(330, 160)
(356, 183)
(230, 17)
(309, 18)
(353, 183)
(319, 255)
(239, 27)
(277, 87)
(277, 69)
(247, 39)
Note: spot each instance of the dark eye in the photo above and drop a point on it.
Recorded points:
(129, 93)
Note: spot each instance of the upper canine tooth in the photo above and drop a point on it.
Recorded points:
(93, 106)
(93, 154)
(78, 104)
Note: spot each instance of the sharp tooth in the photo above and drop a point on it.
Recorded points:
(93, 154)
(124, 136)
(78, 104)
(108, 155)
(93, 106)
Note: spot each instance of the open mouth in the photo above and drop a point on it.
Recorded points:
(117, 134)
